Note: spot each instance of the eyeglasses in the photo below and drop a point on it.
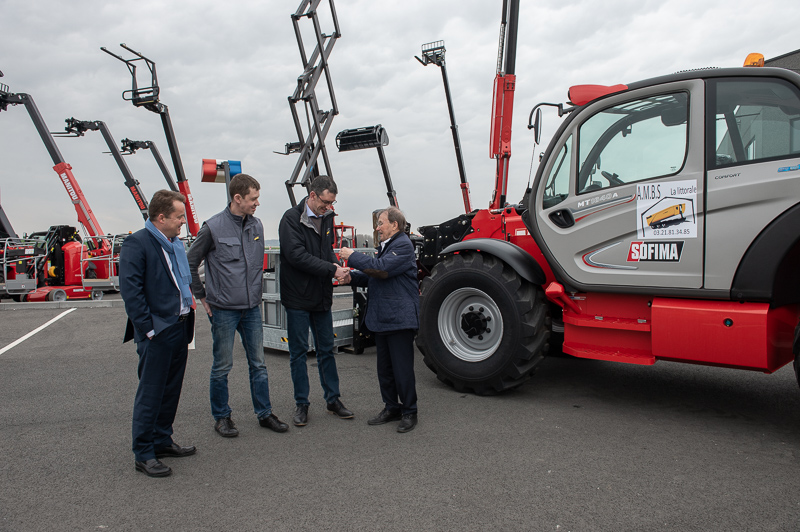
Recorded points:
(326, 203)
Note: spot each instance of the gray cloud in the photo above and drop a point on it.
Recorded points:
(226, 70)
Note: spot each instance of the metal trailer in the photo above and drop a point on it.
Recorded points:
(111, 262)
(274, 315)
(20, 262)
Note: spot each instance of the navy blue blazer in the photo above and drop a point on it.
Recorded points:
(393, 292)
(152, 301)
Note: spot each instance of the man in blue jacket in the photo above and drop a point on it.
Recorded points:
(308, 264)
(154, 282)
(392, 315)
(232, 245)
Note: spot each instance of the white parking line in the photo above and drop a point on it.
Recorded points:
(17, 342)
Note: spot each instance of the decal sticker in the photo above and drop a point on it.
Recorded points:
(789, 168)
(655, 251)
(666, 210)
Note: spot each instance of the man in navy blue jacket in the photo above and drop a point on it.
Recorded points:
(392, 315)
(155, 285)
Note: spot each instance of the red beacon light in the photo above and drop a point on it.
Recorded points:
(583, 94)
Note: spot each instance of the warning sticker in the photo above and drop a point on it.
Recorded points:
(666, 210)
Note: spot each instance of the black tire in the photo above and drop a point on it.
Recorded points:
(97, 295)
(479, 295)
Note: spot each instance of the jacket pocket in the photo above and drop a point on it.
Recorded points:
(394, 311)
(229, 249)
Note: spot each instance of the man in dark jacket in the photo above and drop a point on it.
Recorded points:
(232, 245)
(392, 315)
(308, 264)
(154, 282)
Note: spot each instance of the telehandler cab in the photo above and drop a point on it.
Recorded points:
(663, 223)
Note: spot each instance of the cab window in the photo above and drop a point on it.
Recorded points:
(557, 187)
(633, 141)
(754, 120)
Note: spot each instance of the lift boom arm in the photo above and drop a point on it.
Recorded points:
(76, 128)
(503, 101)
(147, 97)
(85, 215)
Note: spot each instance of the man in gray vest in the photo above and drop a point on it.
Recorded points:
(232, 245)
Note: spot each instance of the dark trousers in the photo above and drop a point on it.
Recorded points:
(396, 370)
(162, 363)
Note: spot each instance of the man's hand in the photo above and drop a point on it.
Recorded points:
(345, 253)
(206, 306)
(341, 272)
(346, 278)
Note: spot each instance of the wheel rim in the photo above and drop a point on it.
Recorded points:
(470, 324)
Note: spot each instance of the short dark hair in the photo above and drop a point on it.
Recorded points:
(393, 214)
(163, 202)
(241, 184)
(322, 183)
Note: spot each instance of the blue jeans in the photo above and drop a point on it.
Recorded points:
(224, 324)
(321, 323)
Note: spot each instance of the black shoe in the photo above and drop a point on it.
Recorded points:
(176, 450)
(153, 468)
(226, 428)
(407, 423)
(385, 416)
(300, 416)
(338, 408)
(273, 423)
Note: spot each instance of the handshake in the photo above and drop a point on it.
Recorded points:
(342, 274)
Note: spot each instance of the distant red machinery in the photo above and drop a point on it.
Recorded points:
(68, 259)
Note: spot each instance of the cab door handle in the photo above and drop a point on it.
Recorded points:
(562, 218)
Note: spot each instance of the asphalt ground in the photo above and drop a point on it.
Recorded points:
(583, 446)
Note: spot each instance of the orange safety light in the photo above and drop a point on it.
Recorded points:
(583, 94)
(754, 60)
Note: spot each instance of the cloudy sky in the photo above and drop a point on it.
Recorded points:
(226, 69)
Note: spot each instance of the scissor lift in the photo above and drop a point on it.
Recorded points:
(310, 145)
(311, 139)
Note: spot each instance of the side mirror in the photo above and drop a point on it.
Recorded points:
(537, 131)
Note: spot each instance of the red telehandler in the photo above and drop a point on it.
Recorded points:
(709, 157)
